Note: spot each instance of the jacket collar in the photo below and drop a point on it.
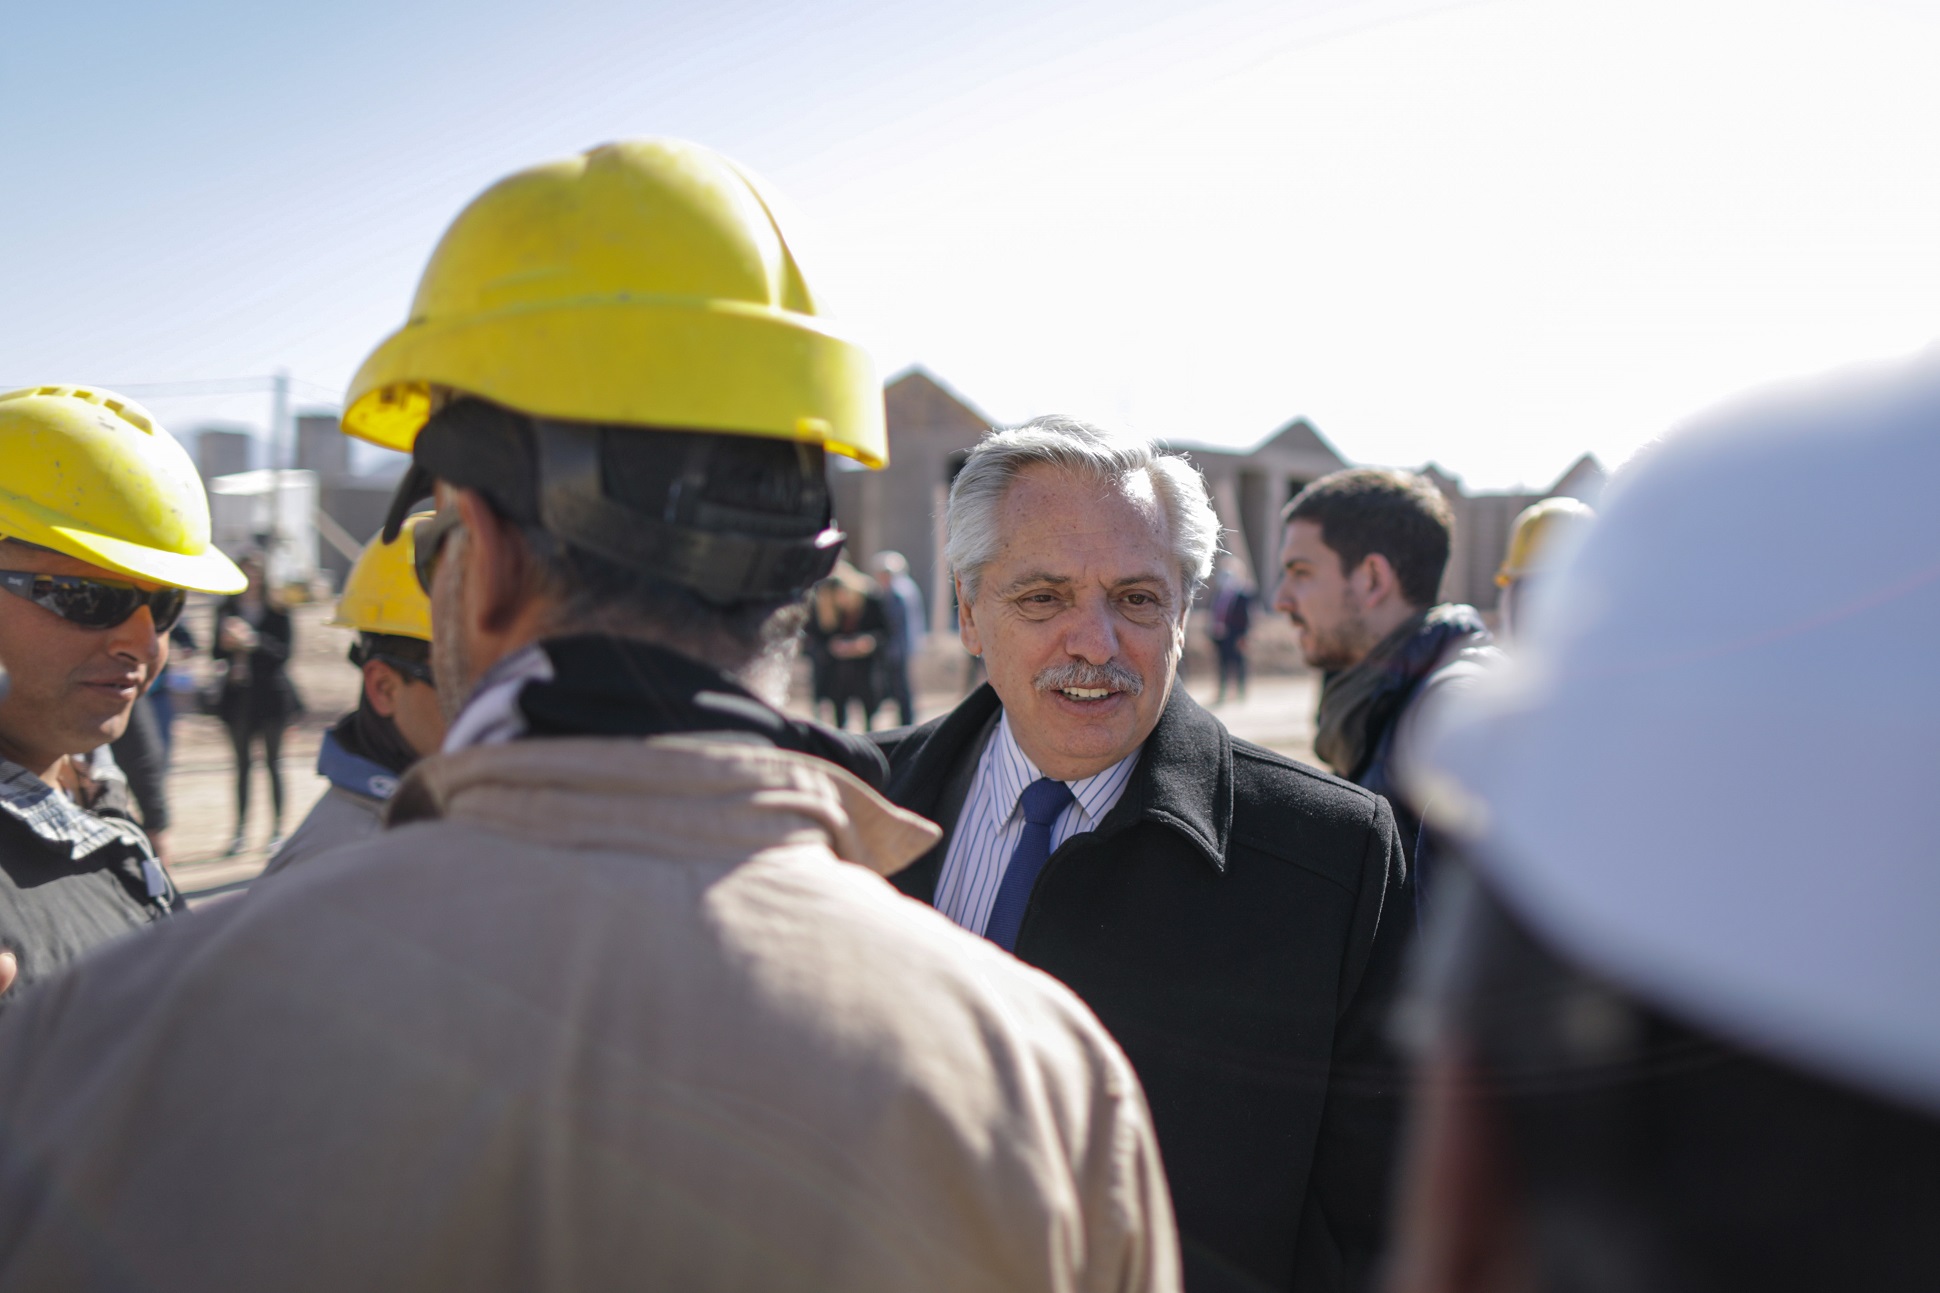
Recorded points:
(1184, 777)
(358, 775)
(715, 796)
(593, 684)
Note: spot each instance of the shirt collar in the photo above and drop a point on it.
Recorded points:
(52, 815)
(491, 716)
(1184, 777)
(1012, 772)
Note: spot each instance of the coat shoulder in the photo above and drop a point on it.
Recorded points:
(899, 743)
(1284, 781)
(1290, 810)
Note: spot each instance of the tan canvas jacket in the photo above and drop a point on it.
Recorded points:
(592, 1014)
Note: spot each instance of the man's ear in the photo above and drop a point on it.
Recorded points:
(1375, 582)
(498, 567)
(381, 686)
(967, 622)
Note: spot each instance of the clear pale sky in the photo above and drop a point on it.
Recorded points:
(1491, 235)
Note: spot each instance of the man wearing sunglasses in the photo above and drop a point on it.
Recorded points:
(103, 526)
(397, 720)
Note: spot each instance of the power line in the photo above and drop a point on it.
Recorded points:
(263, 385)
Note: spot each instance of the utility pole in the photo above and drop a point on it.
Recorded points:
(279, 417)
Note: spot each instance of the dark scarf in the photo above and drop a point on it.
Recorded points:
(1357, 705)
(610, 686)
(369, 735)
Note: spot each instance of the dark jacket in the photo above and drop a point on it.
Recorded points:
(72, 877)
(258, 689)
(860, 678)
(1237, 921)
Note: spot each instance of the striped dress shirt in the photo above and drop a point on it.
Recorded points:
(992, 822)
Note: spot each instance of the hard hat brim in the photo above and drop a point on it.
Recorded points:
(387, 628)
(666, 362)
(208, 571)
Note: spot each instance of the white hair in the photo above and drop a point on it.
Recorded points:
(1091, 454)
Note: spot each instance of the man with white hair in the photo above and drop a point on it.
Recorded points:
(1233, 917)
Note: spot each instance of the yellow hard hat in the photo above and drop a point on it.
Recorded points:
(381, 594)
(643, 283)
(95, 476)
(1532, 540)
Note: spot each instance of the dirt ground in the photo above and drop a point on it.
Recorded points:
(1277, 712)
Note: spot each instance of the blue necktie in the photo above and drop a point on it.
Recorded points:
(1042, 801)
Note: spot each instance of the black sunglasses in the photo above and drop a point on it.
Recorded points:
(94, 603)
(427, 541)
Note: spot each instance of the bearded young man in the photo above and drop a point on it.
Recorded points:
(1233, 917)
(1363, 558)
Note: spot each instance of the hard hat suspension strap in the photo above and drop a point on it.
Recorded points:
(721, 566)
(414, 487)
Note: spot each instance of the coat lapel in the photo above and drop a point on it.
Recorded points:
(1184, 780)
(935, 781)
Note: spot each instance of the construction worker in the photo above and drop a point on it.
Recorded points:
(103, 526)
(1543, 534)
(1682, 1030)
(397, 720)
(620, 995)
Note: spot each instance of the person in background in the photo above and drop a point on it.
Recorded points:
(1362, 559)
(1543, 534)
(397, 720)
(103, 525)
(1231, 619)
(143, 759)
(848, 631)
(1233, 916)
(161, 694)
(258, 701)
(902, 603)
(1679, 1028)
(619, 997)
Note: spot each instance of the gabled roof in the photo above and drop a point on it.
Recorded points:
(1302, 437)
(1296, 444)
(917, 397)
(1583, 481)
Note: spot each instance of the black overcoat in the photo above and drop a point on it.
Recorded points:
(1238, 922)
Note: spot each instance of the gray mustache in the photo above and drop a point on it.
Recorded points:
(1077, 673)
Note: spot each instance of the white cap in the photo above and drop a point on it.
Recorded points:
(1711, 773)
